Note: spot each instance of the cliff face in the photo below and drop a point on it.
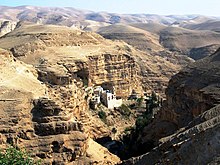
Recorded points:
(6, 27)
(67, 61)
(115, 71)
(90, 57)
(191, 117)
(192, 91)
(45, 120)
(201, 52)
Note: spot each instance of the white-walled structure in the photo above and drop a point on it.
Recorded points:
(109, 100)
(106, 97)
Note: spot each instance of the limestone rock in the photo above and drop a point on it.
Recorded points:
(42, 119)
(192, 109)
(87, 56)
(6, 26)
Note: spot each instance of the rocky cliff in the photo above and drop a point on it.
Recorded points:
(65, 63)
(90, 57)
(192, 91)
(6, 26)
(43, 119)
(190, 115)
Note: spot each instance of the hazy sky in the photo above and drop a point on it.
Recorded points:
(165, 7)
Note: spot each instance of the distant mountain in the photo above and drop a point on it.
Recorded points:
(45, 15)
(69, 16)
(183, 40)
(212, 24)
(156, 37)
(141, 39)
(176, 33)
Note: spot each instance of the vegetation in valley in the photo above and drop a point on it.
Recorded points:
(124, 110)
(131, 134)
(102, 115)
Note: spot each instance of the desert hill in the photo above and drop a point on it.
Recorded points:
(201, 23)
(137, 37)
(183, 40)
(143, 40)
(208, 25)
(67, 16)
(154, 28)
(153, 37)
(51, 59)
(158, 32)
(82, 18)
(45, 15)
(48, 80)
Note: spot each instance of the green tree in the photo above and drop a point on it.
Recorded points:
(141, 122)
(152, 103)
(153, 96)
(102, 115)
(140, 101)
(125, 111)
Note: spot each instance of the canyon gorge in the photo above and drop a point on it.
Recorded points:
(50, 64)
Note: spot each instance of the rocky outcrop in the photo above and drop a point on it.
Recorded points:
(197, 144)
(39, 125)
(192, 91)
(6, 27)
(201, 52)
(65, 52)
(190, 115)
(45, 119)
(118, 72)
(49, 121)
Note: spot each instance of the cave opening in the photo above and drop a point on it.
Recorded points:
(56, 146)
(83, 74)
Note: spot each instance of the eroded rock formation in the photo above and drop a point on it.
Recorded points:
(64, 63)
(190, 116)
(89, 56)
(44, 119)
(6, 26)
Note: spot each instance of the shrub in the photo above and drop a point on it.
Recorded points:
(128, 129)
(85, 82)
(154, 96)
(102, 115)
(142, 121)
(124, 110)
(13, 156)
(139, 101)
